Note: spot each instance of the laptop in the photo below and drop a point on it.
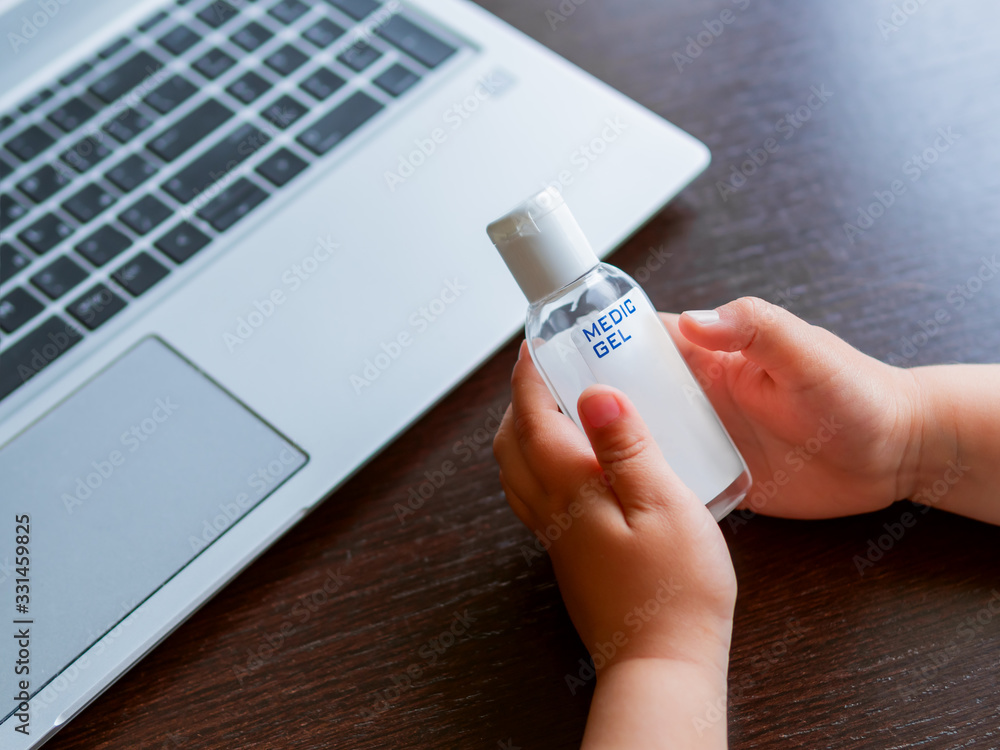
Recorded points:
(243, 247)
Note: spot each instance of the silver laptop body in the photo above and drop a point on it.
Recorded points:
(165, 429)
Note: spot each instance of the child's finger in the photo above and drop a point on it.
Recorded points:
(509, 455)
(639, 474)
(697, 357)
(786, 347)
(521, 509)
(553, 448)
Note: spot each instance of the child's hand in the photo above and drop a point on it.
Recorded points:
(825, 429)
(642, 565)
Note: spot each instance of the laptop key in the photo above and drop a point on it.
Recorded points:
(232, 204)
(34, 352)
(339, 123)
(126, 77)
(415, 41)
(179, 40)
(181, 242)
(131, 173)
(10, 210)
(216, 13)
(356, 9)
(6, 170)
(153, 21)
(43, 184)
(359, 56)
(36, 101)
(113, 49)
(127, 125)
(249, 87)
(289, 11)
(323, 33)
(103, 245)
(96, 307)
(76, 74)
(216, 162)
(45, 233)
(12, 261)
(5, 122)
(284, 112)
(88, 203)
(396, 80)
(281, 167)
(171, 95)
(145, 215)
(140, 274)
(251, 36)
(213, 63)
(71, 114)
(59, 277)
(286, 60)
(187, 131)
(322, 84)
(29, 143)
(17, 308)
(85, 154)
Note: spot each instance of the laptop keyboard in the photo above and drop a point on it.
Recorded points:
(108, 178)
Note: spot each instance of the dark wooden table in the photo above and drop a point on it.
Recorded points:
(906, 655)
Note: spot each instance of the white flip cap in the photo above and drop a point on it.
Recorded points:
(542, 245)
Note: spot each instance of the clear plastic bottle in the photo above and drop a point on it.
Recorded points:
(589, 322)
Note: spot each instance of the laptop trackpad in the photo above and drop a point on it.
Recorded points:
(124, 482)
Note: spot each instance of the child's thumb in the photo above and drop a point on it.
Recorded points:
(631, 459)
(785, 346)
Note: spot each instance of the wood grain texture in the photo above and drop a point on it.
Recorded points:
(906, 655)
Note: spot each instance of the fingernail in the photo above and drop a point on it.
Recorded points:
(703, 317)
(601, 409)
(522, 350)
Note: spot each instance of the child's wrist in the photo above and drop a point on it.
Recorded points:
(932, 443)
(636, 698)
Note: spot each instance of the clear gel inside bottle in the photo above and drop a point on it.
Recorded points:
(589, 322)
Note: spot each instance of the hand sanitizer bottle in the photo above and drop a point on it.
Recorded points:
(589, 322)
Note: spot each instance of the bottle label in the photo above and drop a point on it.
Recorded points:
(625, 345)
(601, 336)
